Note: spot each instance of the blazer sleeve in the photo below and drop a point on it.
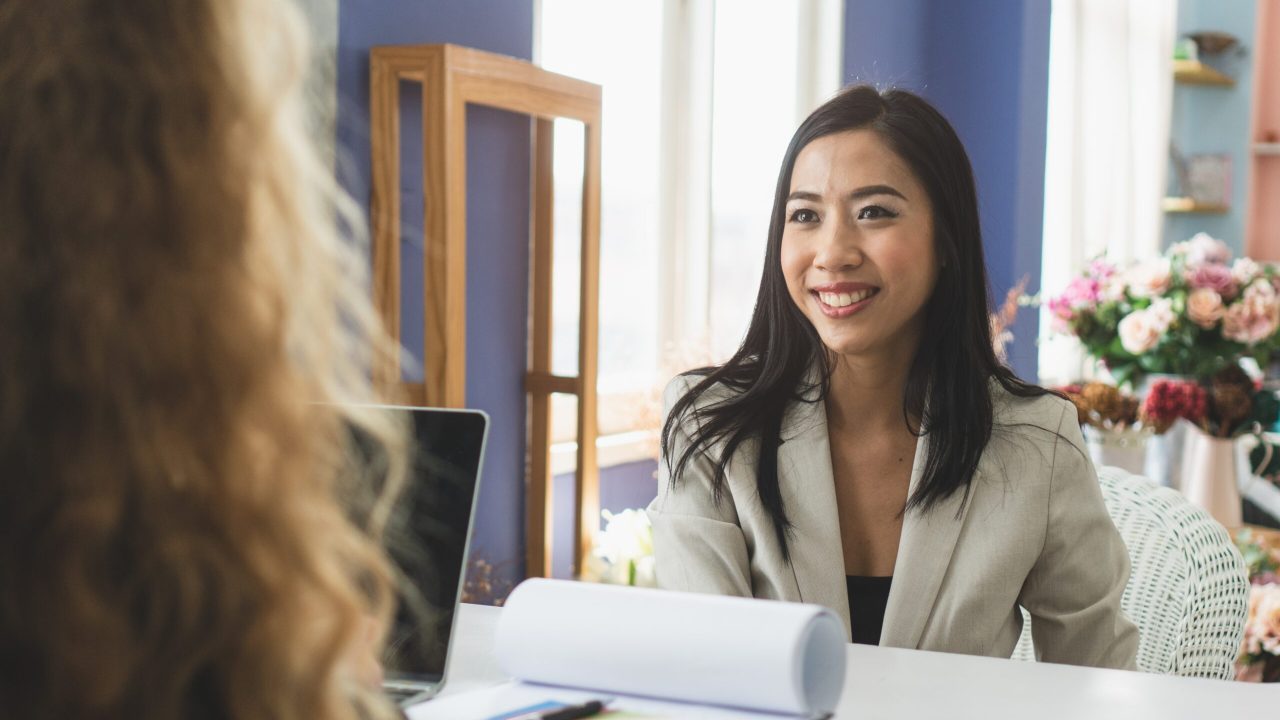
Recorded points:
(698, 544)
(1073, 592)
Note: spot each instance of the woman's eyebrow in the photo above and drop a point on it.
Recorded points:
(860, 193)
(804, 195)
(870, 190)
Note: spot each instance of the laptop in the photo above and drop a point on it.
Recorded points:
(427, 537)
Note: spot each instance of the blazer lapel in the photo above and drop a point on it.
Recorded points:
(924, 552)
(809, 496)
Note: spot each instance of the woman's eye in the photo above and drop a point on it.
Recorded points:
(804, 216)
(875, 212)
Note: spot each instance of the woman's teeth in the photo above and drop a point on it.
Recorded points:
(845, 299)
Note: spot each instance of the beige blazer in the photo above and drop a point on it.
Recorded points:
(1034, 533)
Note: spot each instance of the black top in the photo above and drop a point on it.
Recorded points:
(868, 597)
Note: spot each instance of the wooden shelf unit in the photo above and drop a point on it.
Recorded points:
(453, 77)
(1194, 72)
(1191, 205)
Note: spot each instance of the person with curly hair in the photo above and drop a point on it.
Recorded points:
(185, 328)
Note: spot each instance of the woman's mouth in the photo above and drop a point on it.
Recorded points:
(844, 304)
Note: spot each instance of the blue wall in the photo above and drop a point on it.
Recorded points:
(497, 229)
(1211, 119)
(630, 485)
(985, 65)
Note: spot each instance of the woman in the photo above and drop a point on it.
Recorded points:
(864, 449)
(179, 318)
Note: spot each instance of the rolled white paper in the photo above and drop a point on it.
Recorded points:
(754, 654)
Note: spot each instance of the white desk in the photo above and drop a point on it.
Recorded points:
(899, 684)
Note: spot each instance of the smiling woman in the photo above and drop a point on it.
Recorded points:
(864, 449)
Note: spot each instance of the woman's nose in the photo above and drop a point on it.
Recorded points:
(839, 248)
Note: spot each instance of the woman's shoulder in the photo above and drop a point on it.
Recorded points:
(686, 382)
(1047, 410)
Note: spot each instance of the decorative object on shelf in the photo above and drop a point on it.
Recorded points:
(623, 554)
(1214, 42)
(1200, 183)
(1194, 72)
(1191, 311)
(1190, 51)
(1259, 659)
(1209, 178)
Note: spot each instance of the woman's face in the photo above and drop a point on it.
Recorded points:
(857, 246)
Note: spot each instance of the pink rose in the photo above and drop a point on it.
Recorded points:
(1061, 315)
(1139, 332)
(1081, 293)
(1253, 318)
(1212, 276)
(1262, 629)
(1150, 278)
(1204, 307)
(1100, 269)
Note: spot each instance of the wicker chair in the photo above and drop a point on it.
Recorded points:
(1188, 592)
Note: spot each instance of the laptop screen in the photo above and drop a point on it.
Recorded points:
(427, 537)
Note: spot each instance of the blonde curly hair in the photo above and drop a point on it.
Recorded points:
(183, 328)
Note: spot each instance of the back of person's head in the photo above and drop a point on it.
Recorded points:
(180, 317)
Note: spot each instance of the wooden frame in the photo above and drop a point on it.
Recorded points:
(451, 78)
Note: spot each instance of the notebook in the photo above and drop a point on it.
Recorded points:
(427, 537)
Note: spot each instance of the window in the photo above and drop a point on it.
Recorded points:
(700, 99)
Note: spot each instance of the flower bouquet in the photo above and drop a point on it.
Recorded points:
(1227, 406)
(1190, 312)
(1259, 659)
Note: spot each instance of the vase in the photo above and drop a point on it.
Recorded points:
(1125, 449)
(1164, 452)
(1209, 476)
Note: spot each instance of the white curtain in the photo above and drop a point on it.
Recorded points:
(1110, 104)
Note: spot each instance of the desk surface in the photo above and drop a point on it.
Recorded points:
(898, 684)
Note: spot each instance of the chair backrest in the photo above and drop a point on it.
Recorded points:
(1188, 590)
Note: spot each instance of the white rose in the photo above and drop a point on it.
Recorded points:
(1111, 289)
(1203, 248)
(1161, 315)
(1245, 271)
(1150, 278)
(1263, 290)
(1138, 333)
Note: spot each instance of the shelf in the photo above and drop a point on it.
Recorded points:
(1194, 72)
(1189, 205)
(1266, 148)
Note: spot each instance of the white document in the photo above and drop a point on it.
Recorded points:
(751, 656)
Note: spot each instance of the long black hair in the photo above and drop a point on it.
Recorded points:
(948, 383)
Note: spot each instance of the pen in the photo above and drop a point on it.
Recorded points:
(568, 712)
